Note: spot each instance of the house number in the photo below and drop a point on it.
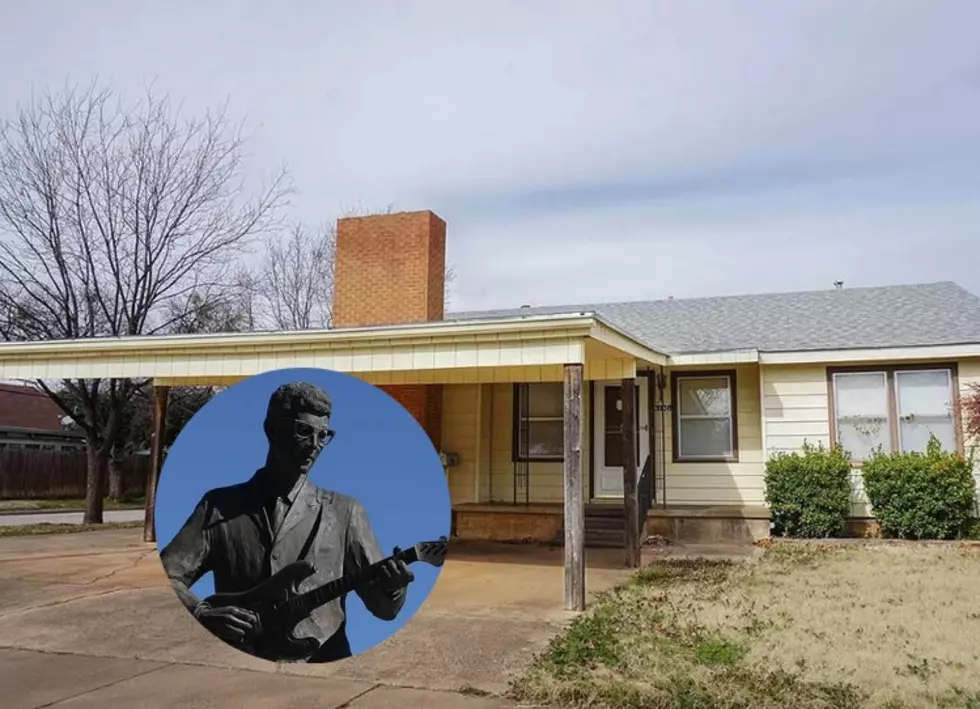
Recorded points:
(662, 407)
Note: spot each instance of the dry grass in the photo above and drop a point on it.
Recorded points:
(29, 530)
(67, 504)
(807, 626)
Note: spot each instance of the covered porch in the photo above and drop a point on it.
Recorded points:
(452, 362)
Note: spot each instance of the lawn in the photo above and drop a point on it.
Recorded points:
(69, 504)
(888, 626)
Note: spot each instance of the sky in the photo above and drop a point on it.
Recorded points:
(582, 151)
(379, 455)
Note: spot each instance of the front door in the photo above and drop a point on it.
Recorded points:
(608, 436)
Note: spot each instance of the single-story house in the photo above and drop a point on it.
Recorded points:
(29, 419)
(528, 404)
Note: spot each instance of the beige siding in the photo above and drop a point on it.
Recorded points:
(460, 433)
(969, 374)
(546, 479)
(227, 359)
(738, 483)
(487, 438)
(797, 409)
(794, 403)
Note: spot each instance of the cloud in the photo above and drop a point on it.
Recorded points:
(580, 150)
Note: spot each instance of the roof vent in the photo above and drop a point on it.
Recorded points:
(838, 284)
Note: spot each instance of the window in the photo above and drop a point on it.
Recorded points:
(895, 408)
(539, 430)
(704, 417)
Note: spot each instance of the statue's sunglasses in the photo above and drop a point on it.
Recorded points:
(305, 431)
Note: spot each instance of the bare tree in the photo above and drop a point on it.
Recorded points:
(110, 213)
(296, 279)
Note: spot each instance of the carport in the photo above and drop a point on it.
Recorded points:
(568, 348)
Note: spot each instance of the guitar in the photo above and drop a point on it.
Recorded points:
(280, 606)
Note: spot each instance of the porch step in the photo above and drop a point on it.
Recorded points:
(605, 526)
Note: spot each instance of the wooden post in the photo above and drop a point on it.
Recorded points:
(160, 397)
(630, 502)
(574, 502)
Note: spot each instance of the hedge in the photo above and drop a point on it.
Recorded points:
(809, 493)
(929, 495)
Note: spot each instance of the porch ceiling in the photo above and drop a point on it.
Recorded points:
(512, 349)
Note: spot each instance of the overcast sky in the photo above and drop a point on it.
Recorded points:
(583, 151)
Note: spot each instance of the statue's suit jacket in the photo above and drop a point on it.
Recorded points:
(230, 535)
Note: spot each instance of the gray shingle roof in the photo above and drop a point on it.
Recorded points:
(890, 316)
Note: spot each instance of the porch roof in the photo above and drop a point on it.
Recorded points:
(502, 349)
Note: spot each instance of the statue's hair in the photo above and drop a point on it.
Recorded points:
(296, 398)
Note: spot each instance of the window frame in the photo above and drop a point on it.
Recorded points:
(891, 392)
(675, 415)
(518, 420)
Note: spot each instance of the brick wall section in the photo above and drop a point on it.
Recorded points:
(390, 269)
(424, 402)
(26, 407)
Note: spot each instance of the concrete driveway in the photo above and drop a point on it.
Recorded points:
(89, 620)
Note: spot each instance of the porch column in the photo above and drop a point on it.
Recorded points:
(574, 502)
(630, 502)
(160, 398)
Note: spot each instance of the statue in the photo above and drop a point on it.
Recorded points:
(267, 539)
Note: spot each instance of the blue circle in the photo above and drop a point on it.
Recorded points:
(380, 456)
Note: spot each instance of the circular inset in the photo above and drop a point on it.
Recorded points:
(302, 515)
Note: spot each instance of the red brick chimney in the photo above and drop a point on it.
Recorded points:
(390, 269)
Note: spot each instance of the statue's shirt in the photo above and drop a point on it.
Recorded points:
(234, 533)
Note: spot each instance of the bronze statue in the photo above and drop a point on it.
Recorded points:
(284, 552)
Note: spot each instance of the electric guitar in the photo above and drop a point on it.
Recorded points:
(280, 606)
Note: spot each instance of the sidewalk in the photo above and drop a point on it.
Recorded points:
(32, 680)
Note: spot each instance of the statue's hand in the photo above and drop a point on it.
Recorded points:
(228, 622)
(395, 575)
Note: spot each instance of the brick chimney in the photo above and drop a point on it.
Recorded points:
(390, 269)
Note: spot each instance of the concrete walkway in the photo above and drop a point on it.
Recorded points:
(89, 620)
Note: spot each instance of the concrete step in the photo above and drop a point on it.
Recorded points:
(604, 511)
(605, 523)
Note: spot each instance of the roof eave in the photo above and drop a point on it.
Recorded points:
(540, 324)
(872, 354)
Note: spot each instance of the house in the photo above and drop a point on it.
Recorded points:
(528, 404)
(29, 419)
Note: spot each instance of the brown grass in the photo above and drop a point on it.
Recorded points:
(807, 625)
(29, 530)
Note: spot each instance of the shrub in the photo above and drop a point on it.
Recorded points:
(809, 493)
(927, 495)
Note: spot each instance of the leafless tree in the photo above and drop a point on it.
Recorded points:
(109, 214)
(296, 279)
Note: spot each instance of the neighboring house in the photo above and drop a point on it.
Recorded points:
(29, 419)
(720, 383)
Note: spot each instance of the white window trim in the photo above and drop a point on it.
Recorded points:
(892, 395)
(950, 403)
(679, 456)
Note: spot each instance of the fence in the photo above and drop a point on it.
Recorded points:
(27, 474)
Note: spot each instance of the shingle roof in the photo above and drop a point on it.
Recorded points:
(891, 316)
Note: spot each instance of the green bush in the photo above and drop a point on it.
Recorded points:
(809, 493)
(927, 495)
